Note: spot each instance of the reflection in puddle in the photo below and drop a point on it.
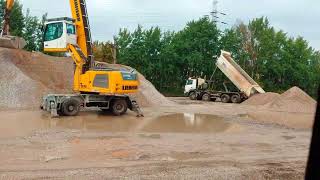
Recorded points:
(24, 123)
(187, 123)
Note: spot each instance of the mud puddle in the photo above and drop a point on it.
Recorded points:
(24, 123)
(187, 123)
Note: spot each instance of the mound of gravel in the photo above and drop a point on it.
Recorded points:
(261, 99)
(148, 95)
(26, 77)
(294, 100)
(294, 108)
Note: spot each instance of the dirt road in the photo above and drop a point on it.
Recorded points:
(193, 140)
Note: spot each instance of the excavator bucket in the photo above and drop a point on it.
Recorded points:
(12, 42)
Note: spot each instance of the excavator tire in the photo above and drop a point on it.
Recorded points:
(225, 98)
(119, 107)
(70, 107)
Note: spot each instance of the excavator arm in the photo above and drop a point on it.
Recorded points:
(6, 18)
(10, 4)
(80, 60)
(84, 41)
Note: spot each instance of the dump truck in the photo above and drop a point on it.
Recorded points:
(202, 89)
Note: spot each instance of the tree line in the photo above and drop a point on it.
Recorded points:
(167, 58)
(271, 57)
(25, 25)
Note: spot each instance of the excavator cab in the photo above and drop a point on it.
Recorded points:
(58, 33)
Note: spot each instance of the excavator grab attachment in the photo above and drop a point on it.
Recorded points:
(12, 42)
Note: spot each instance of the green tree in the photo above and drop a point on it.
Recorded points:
(16, 18)
(32, 32)
(275, 60)
(104, 51)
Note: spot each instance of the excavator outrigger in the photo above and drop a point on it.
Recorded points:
(6, 40)
(104, 88)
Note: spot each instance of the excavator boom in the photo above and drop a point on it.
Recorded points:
(84, 41)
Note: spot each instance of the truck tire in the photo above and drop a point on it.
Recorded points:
(225, 98)
(235, 98)
(119, 107)
(193, 95)
(206, 97)
(70, 107)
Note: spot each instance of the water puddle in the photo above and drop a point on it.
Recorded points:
(24, 123)
(186, 123)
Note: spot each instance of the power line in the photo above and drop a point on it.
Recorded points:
(215, 14)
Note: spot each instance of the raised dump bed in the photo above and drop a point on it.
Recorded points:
(237, 75)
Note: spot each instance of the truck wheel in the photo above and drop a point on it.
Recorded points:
(225, 98)
(193, 96)
(70, 107)
(119, 107)
(235, 98)
(206, 97)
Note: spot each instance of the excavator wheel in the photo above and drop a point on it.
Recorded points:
(206, 97)
(225, 98)
(119, 107)
(70, 107)
(235, 98)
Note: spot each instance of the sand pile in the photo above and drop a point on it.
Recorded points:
(294, 108)
(148, 95)
(261, 99)
(293, 100)
(26, 77)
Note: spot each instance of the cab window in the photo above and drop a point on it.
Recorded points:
(71, 29)
(129, 76)
(189, 82)
(53, 31)
(101, 81)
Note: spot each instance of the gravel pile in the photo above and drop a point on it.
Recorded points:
(293, 100)
(261, 99)
(26, 77)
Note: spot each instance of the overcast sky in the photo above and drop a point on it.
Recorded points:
(297, 17)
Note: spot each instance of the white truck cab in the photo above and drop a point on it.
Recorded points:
(193, 84)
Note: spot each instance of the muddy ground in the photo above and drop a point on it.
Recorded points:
(191, 140)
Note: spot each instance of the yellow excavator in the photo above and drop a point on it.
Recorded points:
(100, 87)
(6, 40)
